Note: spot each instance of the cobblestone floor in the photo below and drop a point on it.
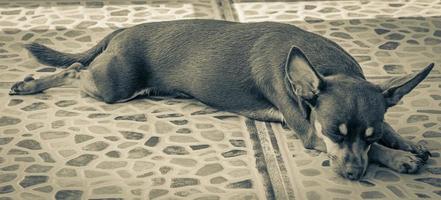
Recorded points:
(388, 38)
(59, 145)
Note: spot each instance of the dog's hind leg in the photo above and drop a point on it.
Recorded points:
(264, 114)
(31, 86)
(394, 140)
(398, 160)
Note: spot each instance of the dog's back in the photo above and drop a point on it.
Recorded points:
(186, 55)
(185, 41)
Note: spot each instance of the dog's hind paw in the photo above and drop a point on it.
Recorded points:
(407, 163)
(27, 86)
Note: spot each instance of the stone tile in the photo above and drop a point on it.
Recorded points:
(373, 27)
(29, 144)
(81, 160)
(209, 169)
(33, 180)
(68, 194)
(182, 182)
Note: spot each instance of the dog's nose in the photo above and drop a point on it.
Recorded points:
(353, 174)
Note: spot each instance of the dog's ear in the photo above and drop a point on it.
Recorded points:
(300, 73)
(303, 78)
(394, 89)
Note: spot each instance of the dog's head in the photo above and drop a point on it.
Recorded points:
(344, 110)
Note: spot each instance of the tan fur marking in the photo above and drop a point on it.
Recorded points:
(318, 129)
(331, 147)
(343, 129)
(146, 91)
(369, 131)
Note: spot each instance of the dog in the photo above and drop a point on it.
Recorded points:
(265, 71)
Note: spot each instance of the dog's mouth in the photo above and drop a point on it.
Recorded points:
(354, 174)
(351, 173)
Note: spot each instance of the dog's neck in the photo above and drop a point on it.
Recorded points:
(336, 77)
(345, 84)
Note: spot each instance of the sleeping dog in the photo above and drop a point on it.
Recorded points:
(265, 71)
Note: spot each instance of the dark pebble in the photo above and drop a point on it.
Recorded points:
(175, 150)
(14, 102)
(6, 189)
(68, 194)
(394, 69)
(152, 141)
(5, 121)
(138, 118)
(394, 36)
(380, 31)
(182, 182)
(35, 106)
(82, 160)
(65, 103)
(436, 182)
(198, 147)
(130, 135)
(241, 184)
(5, 140)
(33, 180)
(431, 134)
(237, 143)
(47, 69)
(233, 153)
(434, 170)
(170, 115)
(183, 131)
(389, 45)
(82, 138)
(29, 144)
(46, 157)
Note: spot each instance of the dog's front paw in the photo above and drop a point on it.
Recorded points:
(320, 145)
(314, 142)
(421, 151)
(27, 86)
(407, 163)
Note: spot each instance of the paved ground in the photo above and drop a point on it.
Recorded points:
(59, 145)
(388, 38)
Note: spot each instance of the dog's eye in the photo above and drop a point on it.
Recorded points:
(370, 140)
(373, 138)
(375, 135)
(336, 137)
(333, 134)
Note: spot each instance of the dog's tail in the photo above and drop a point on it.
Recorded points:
(48, 56)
